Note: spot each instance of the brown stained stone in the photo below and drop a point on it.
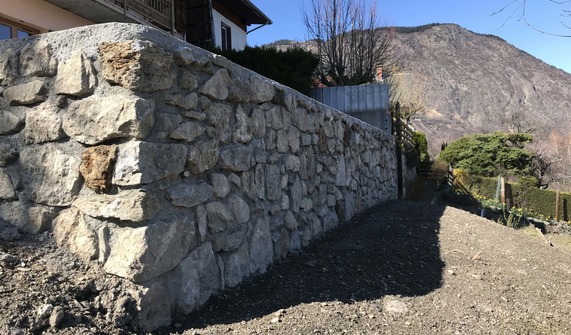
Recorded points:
(97, 167)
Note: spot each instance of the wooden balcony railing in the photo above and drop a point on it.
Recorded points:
(157, 12)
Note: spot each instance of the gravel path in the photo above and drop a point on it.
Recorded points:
(401, 268)
(404, 268)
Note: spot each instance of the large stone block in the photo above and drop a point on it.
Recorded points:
(36, 130)
(36, 60)
(143, 162)
(202, 156)
(7, 191)
(238, 158)
(187, 131)
(96, 167)
(129, 205)
(137, 65)
(76, 76)
(261, 246)
(219, 217)
(8, 66)
(10, 123)
(52, 176)
(144, 253)
(96, 119)
(194, 280)
(27, 93)
(71, 230)
(236, 266)
(184, 195)
(217, 86)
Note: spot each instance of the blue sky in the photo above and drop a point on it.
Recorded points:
(472, 15)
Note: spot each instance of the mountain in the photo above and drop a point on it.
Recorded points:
(481, 83)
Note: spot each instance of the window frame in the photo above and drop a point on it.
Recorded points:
(226, 37)
(15, 28)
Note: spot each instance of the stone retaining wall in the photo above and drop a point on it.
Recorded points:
(172, 167)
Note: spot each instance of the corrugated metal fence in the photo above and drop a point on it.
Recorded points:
(369, 103)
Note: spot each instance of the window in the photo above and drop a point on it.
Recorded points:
(9, 29)
(226, 37)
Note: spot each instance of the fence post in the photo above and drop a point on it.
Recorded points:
(557, 206)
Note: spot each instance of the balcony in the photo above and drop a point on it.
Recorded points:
(157, 13)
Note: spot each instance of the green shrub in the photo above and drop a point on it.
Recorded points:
(293, 68)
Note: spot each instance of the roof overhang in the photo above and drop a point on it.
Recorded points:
(247, 11)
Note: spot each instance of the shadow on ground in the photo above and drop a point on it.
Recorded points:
(392, 249)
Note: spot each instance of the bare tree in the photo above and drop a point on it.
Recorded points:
(407, 91)
(519, 10)
(350, 43)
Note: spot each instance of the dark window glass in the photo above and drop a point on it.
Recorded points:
(5, 32)
(22, 33)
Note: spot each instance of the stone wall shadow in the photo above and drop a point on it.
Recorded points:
(392, 249)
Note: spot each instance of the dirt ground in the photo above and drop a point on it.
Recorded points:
(401, 268)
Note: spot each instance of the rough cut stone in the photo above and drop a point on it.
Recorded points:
(219, 121)
(144, 253)
(143, 162)
(187, 56)
(202, 156)
(228, 241)
(237, 158)
(263, 90)
(154, 307)
(258, 123)
(96, 119)
(236, 266)
(40, 219)
(240, 209)
(71, 230)
(219, 217)
(244, 131)
(290, 221)
(195, 279)
(189, 101)
(52, 176)
(202, 222)
(273, 182)
(8, 66)
(137, 65)
(188, 80)
(7, 191)
(261, 246)
(96, 167)
(217, 86)
(184, 195)
(129, 205)
(220, 184)
(10, 123)
(43, 125)
(8, 154)
(187, 131)
(36, 60)
(26, 94)
(76, 76)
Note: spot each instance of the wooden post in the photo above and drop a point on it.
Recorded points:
(557, 206)
(503, 190)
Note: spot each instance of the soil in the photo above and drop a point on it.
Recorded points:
(401, 268)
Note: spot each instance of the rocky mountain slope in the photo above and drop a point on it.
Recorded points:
(477, 83)
(481, 83)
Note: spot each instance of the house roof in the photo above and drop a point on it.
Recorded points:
(247, 11)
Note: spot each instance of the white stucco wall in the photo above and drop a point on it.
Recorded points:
(239, 38)
(40, 15)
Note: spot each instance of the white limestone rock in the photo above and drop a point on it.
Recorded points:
(36, 60)
(217, 86)
(52, 176)
(143, 162)
(128, 205)
(261, 246)
(71, 231)
(76, 76)
(27, 93)
(96, 119)
(43, 125)
(189, 196)
(10, 123)
(151, 250)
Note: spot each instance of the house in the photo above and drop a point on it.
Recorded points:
(207, 23)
